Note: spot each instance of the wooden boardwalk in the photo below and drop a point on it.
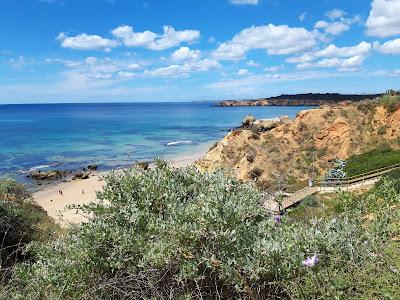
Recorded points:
(279, 203)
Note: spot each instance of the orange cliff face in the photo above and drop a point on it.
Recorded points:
(289, 148)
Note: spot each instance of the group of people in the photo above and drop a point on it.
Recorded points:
(61, 192)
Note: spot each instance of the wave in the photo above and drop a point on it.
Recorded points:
(36, 168)
(179, 143)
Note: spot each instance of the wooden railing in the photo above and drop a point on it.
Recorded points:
(358, 178)
(320, 186)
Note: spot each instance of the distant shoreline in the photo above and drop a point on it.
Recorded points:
(299, 100)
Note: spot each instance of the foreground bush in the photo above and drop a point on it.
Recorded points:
(21, 222)
(180, 234)
(11, 190)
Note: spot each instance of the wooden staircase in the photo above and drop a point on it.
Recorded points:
(279, 202)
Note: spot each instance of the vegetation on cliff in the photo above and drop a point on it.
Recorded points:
(182, 234)
(307, 146)
(371, 160)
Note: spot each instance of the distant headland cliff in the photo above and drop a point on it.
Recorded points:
(299, 100)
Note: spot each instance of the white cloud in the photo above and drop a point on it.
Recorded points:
(101, 68)
(306, 57)
(229, 52)
(99, 76)
(342, 64)
(333, 51)
(352, 62)
(390, 73)
(384, 19)
(170, 38)
(86, 42)
(390, 47)
(243, 72)
(185, 54)
(273, 69)
(53, 1)
(134, 39)
(21, 62)
(91, 60)
(276, 40)
(183, 70)
(244, 2)
(73, 86)
(303, 16)
(334, 28)
(260, 80)
(338, 22)
(134, 66)
(335, 14)
(127, 75)
(252, 63)
(343, 58)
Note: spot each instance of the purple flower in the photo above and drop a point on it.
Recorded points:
(277, 218)
(310, 261)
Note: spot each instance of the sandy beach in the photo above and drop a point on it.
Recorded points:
(84, 191)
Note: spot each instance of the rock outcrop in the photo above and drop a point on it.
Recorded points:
(293, 148)
(47, 175)
(81, 176)
(299, 100)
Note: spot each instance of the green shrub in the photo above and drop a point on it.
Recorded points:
(366, 107)
(255, 136)
(371, 160)
(310, 201)
(12, 190)
(256, 172)
(395, 176)
(15, 232)
(382, 130)
(181, 234)
(390, 101)
(21, 222)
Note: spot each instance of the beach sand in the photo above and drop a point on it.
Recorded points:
(84, 191)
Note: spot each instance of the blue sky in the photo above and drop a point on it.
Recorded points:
(184, 50)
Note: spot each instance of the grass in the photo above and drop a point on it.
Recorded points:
(371, 160)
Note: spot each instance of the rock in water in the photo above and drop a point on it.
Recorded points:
(47, 175)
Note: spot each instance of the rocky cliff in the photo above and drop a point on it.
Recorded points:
(299, 100)
(289, 148)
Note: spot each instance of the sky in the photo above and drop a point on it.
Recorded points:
(186, 50)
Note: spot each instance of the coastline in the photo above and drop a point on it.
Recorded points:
(79, 192)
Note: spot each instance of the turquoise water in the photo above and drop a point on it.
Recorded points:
(70, 136)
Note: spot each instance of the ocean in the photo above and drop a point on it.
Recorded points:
(71, 136)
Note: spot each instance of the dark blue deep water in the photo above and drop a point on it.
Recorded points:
(70, 136)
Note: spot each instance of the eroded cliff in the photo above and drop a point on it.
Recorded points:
(293, 148)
